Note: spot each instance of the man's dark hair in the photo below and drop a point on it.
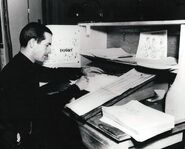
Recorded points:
(33, 30)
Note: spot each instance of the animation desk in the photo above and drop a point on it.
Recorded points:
(96, 135)
(99, 135)
(124, 35)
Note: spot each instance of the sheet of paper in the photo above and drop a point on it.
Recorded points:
(152, 45)
(127, 81)
(90, 101)
(65, 48)
(164, 63)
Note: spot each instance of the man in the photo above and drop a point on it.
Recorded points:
(24, 109)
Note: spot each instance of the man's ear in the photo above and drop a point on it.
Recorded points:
(32, 42)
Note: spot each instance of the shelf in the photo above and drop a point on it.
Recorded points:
(135, 23)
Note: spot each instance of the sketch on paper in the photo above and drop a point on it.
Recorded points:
(152, 45)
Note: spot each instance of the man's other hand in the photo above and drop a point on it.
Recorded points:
(91, 71)
(82, 83)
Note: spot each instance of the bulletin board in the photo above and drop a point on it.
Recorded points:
(65, 46)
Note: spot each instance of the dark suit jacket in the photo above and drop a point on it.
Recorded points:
(22, 96)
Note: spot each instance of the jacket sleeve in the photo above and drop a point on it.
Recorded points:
(52, 74)
(56, 102)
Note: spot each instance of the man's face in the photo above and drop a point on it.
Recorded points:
(42, 49)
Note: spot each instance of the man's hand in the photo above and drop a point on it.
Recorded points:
(91, 71)
(82, 83)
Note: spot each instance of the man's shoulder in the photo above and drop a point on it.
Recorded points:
(12, 66)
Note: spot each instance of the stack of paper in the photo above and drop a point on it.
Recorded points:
(117, 55)
(137, 120)
(108, 53)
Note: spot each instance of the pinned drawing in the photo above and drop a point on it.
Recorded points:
(152, 45)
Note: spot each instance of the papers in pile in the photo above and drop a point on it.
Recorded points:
(137, 120)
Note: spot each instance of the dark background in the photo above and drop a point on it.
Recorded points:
(76, 11)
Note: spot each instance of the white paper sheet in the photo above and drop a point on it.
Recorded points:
(65, 46)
